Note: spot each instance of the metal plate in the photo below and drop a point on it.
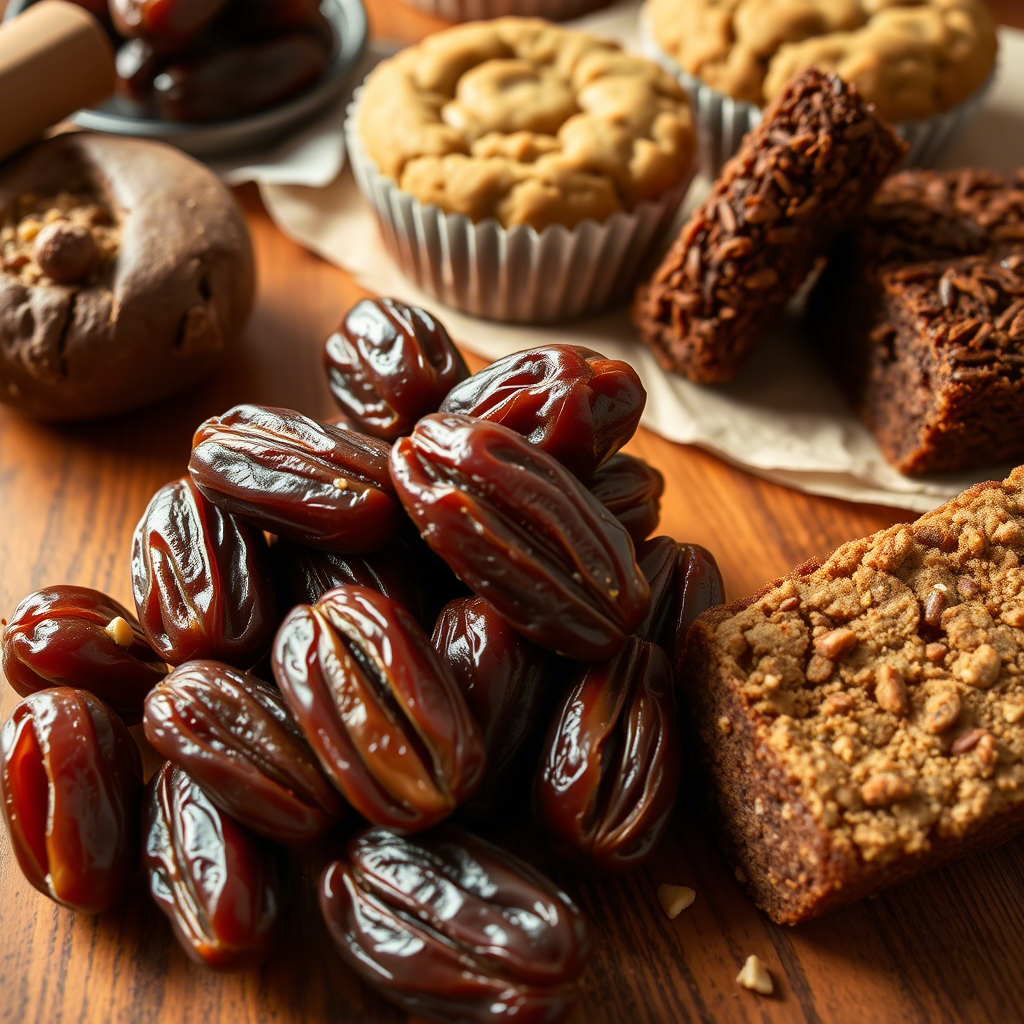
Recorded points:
(219, 138)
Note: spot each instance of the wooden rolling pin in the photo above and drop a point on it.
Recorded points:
(54, 59)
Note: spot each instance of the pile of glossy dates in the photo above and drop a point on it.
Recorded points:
(212, 60)
(461, 613)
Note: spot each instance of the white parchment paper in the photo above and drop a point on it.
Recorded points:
(784, 418)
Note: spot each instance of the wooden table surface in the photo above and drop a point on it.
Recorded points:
(947, 947)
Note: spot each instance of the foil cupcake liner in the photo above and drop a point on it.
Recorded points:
(723, 121)
(518, 274)
(480, 10)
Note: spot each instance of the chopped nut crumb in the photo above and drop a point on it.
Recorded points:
(835, 643)
(935, 652)
(885, 789)
(819, 669)
(675, 899)
(754, 976)
(120, 632)
(790, 604)
(891, 691)
(941, 711)
(838, 704)
(979, 668)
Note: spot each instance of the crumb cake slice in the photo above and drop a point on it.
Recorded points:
(863, 720)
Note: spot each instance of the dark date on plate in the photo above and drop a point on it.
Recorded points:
(79, 637)
(521, 531)
(449, 926)
(290, 475)
(379, 708)
(201, 580)
(235, 736)
(390, 364)
(578, 406)
(216, 882)
(631, 490)
(609, 774)
(70, 782)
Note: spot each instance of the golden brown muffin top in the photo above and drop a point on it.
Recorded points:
(911, 58)
(526, 122)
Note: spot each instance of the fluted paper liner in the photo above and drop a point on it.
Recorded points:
(514, 274)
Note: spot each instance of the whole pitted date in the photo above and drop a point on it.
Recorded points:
(631, 490)
(167, 24)
(578, 406)
(235, 736)
(609, 774)
(70, 782)
(684, 581)
(389, 364)
(75, 636)
(379, 708)
(522, 532)
(217, 883)
(450, 926)
(285, 473)
(506, 681)
(201, 580)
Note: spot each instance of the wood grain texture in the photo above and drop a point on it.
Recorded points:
(944, 948)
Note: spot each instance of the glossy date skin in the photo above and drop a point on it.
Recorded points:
(379, 708)
(449, 926)
(236, 738)
(79, 637)
(201, 580)
(609, 773)
(166, 24)
(521, 532)
(685, 581)
(312, 482)
(390, 364)
(578, 406)
(70, 783)
(631, 490)
(506, 680)
(216, 882)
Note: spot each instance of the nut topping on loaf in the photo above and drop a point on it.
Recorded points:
(860, 720)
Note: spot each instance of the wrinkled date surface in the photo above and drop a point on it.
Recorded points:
(506, 681)
(201, 580)
(390, 364)
(609, 774)
(522, 532)
(315, 483)
(380, 709)
(631, 490)
(75, 636)
(70, 781)
(449, 926)
(235, 736)
(578, 406)
(216, 882)
(685, 581)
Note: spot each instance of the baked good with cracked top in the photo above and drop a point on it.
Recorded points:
(863, 720)
(798, 181)
(921, 314)
(910, 58)
(526, 122)
(126, 274)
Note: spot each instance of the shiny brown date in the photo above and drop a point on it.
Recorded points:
(522, 532)
(287, 474)
(231, 80)
(684, 581)
(578, 406)
(70, 782)
(449, 926)
(609, 774)
(389, 364)
(216, 882)
(631, 490)
(236, 738)
(76, 636)
(167, 24)
(379, 708)
(506, 680)
(201, 580)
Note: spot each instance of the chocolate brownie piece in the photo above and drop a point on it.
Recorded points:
(921, 314)
(799, 179)
(863, 720)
